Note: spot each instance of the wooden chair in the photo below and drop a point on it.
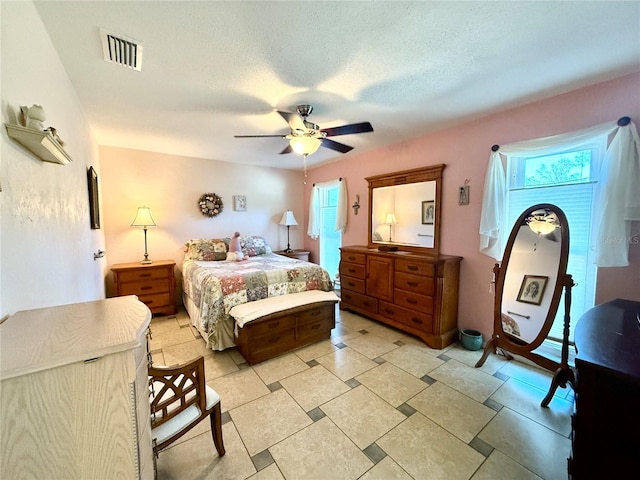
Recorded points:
(180, 399)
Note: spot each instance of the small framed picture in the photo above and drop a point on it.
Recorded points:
(532, 289)
(94, 206)
(428, 212)
(240, 203)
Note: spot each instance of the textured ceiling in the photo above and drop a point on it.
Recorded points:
(212, 70)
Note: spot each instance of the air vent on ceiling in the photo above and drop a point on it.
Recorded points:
(121, 50)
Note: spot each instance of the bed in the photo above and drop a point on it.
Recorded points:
(213, 286)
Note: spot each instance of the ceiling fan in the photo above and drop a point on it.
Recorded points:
(306, 137)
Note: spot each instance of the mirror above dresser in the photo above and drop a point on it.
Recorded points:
(405, 209)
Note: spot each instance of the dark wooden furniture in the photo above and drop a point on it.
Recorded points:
(153, 283)
(180, 400)
(412, 291)
(284, 331)
(299, 254)
(606, 424)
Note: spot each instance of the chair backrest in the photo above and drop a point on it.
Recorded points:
(176, 389)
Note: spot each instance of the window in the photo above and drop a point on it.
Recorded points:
(566, 179)
(330, 240)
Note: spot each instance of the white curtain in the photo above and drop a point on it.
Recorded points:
(618, 189)
(313, 229)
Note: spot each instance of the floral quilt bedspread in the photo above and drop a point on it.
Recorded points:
(217, 286)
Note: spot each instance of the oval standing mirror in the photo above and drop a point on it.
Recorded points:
(529, 284)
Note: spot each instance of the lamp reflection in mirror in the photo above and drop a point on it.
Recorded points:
(144, 219)
(390, 220)
(542, 223)
(289, 220)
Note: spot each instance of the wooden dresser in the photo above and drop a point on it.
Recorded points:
(413, 292)
(605, 433)
(75, 396)
(153, 283)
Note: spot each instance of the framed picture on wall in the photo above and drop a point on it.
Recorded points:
(240, 203)
(428, 212)
(532, 289)
(94, 205)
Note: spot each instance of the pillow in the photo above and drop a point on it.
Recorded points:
(252, 245)
(206, 249)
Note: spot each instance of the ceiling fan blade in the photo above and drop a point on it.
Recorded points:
(348, 129)
(259, 136)
(294, 120)
(333, 145)
(286, 149)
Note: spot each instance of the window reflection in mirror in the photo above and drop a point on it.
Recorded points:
(412, 226)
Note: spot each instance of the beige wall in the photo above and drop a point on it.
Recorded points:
(171, 186)
(46, 243)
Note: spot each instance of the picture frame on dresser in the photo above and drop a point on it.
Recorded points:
(94, 204)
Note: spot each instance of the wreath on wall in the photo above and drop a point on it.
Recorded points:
(210, 204)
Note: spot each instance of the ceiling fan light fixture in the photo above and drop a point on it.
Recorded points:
(542, 223)
(305, 145)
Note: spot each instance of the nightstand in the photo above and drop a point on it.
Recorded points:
(153, 283)
(299, 254)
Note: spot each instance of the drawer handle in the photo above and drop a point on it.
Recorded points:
(148, 302)
(144, 275)
(351, 284)
(412, 267)
(366, 304)
(274, 340)
(412, 301)
(412, 284)
(352, 270)
(146, 288)
(316, 326)
(347, 296)
(416, 320)
(389, 311)
(352, 258)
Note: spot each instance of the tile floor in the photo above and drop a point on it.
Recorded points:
(370, 403)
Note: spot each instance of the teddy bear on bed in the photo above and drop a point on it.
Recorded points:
(235, 251)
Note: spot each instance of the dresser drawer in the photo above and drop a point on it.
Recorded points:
(350, 257)
(144, 288)
(411, 318)
(361, 301)
(352, 270)
(414, 301)
(270, 326)
(143, 274)
(414, 283)
(406, 265)
(157, 300)
(318, 313)
(353, 284)
(273, 342)
(316, 327)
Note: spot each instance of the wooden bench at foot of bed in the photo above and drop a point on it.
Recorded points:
(285, 330)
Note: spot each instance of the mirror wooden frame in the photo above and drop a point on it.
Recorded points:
(404, 177)
(508, 343)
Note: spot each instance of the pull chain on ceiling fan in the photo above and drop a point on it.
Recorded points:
(306, 137)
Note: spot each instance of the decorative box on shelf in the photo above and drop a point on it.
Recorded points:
(40, 143)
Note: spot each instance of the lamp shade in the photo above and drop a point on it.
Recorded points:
(305, 145)
(143, 218)
(391, 218)
(288, 219)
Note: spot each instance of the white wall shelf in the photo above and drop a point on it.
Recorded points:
(40, 143)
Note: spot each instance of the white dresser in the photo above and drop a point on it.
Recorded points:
(74, 392)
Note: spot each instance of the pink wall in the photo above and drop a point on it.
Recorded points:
(465, 151)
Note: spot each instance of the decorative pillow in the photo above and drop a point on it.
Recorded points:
(252, 245)
(206, 249)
